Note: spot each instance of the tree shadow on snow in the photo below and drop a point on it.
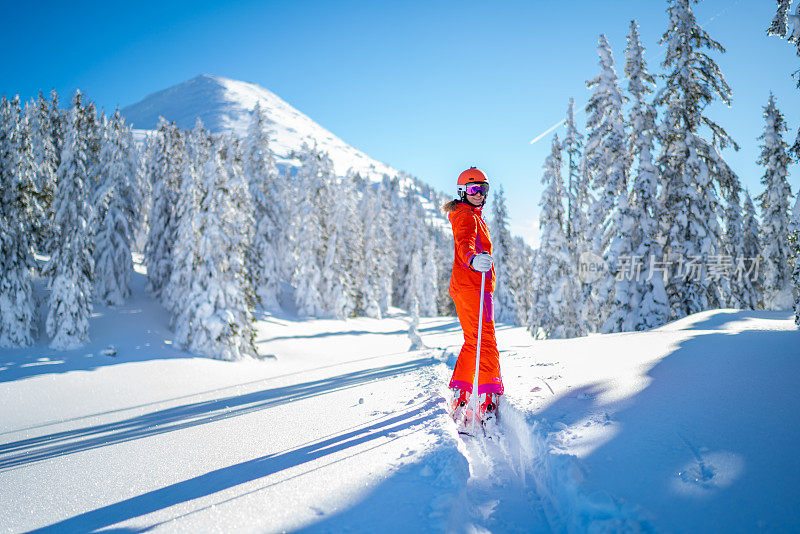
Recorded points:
(110, 330)
(235, 475)
(26, 451)
(710, 443)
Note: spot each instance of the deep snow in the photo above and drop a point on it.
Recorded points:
(690, 427)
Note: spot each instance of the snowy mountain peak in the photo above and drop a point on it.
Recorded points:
(225, 105)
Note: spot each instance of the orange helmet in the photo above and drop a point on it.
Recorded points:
(470, 176)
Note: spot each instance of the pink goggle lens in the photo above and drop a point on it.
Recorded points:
(474, 189)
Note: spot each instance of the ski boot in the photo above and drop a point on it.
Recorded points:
(460, 405)
(487, 409)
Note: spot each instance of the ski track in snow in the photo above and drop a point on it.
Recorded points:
(518, 484)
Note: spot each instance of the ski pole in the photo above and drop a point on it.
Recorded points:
(478, 356)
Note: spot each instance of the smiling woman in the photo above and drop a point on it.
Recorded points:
(471, 286)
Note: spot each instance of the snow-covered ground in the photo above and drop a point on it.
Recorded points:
(692, 427)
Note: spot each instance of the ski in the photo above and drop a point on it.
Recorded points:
(486, 427)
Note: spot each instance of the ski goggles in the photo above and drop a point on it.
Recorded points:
(474, 189)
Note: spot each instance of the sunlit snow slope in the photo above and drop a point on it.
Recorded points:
(225, 105)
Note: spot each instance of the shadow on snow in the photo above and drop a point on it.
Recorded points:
(229, 477)
(713, 436)
(22, 452)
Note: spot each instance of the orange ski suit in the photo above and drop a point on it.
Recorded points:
(471, 236)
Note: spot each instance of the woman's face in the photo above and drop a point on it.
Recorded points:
(477, 198)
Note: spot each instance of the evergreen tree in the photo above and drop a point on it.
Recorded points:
(639, 296)
(605, 147)
(692, 169)
(18, 206)
(505, 305)
(607, 166)
(408, 221)
(576, 185)
(37, 114)
(415, 288)
(217, 319)
(199, 148)
(58, 126)
(739, 277)
(774, 202)
(429, 289)
(71, 267)
(165, 170)
(144, 167)
(312, 180)
(118, 202)
(339, 241)
(794, 239)
(779, 28)
(521, 276)
(554, 296)
(270, 210)
(373, 276)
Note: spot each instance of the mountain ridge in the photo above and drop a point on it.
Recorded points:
(225, 105)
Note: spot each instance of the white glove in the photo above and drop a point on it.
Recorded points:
(482, 262)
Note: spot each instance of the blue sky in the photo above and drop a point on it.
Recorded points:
(429, 87)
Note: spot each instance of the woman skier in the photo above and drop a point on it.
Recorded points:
(473, 259)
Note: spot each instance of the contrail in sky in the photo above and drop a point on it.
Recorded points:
(725, 10)
(553, 127)
(579, 111)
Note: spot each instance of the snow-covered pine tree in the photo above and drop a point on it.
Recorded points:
(553, 314)
(408, 221)
(37, 114)
(415, 285)
(58, 125)
(71, 267)
(270, 210)
(640, 298)
(446, 252)
(607, 163)
(373, 272)
(312, 181)
(166, 168)
(577, 188)
(94, 131)
(429, 290)
(692, 168)
(779, 28)
(580, 199)
(388, 192)
(778, 25)
(145, 155)
(118, 202)
(339, 243)
(241, 225)
(521, 277)
(774, 203)
(216, 320)
(605, 146)
(740, 285)
(199, 148)
(794, 240)
(505, 305)
(18, 206)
